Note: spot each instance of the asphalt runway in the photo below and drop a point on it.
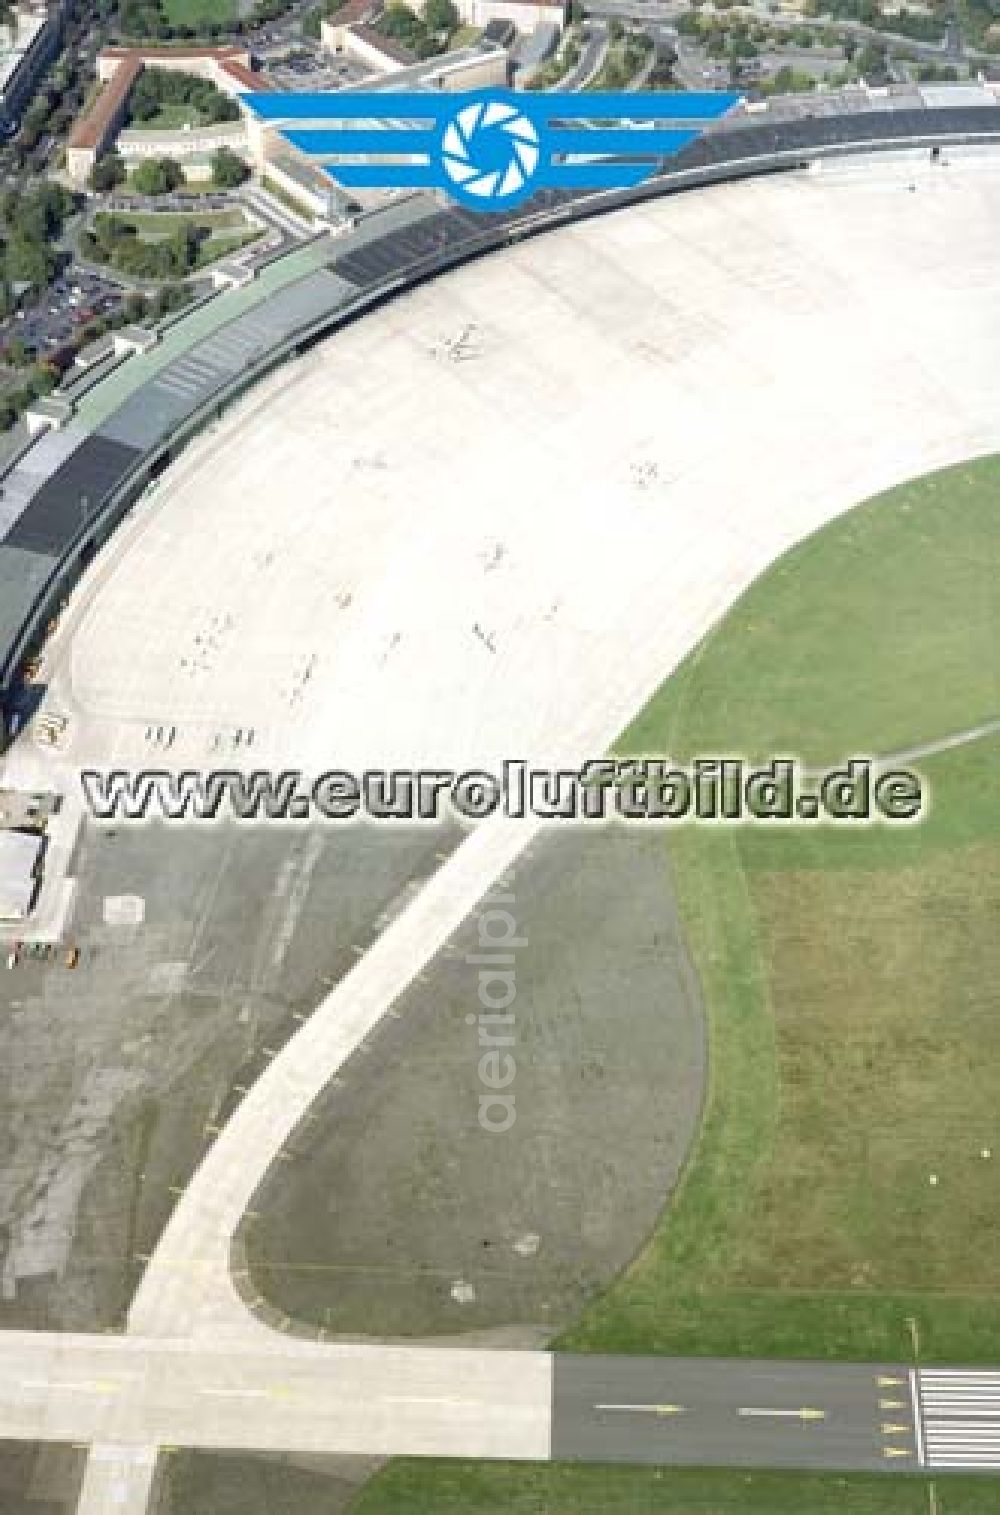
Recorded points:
(720, 1412)
(131, 1396)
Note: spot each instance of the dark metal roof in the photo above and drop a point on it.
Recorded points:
(60, 509)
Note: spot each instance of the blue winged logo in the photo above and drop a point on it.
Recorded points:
(489, 149)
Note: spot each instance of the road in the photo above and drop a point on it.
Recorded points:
(130, 1395)
(591, 58)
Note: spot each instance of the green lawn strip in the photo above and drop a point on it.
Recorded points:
(223, 246)
(163, 222)
(437, 1487)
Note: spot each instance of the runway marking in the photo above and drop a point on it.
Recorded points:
(278, 1392)
(961, 1417)
(784, 1414)
(421, 1399)
(918, 1423)
(645, 1409)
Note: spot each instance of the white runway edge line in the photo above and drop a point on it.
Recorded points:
(961, 1418)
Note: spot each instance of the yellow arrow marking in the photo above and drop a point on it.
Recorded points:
(896, 1452)
(892, 1404)
(886, 1382)
(889, 1429)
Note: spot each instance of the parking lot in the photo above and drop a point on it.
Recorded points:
(317, 72)
(54, 319)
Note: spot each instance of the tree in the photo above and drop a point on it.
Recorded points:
(441, 16)
(401, 23)
(170, 297)
(43, 378)
(158, 176)
(28, 261)
(16, 353)
(871, 63)
(228, 169)
(183, 247)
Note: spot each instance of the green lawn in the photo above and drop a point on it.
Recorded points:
(469, 1488)
(199, 13)
(848, 976)
(223, 246)
(170, 117)
(152, 222)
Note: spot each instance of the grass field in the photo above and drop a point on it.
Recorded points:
(170, 116)
(849, 976)
(222, 233)
(163, 222)
(199, 13)
(460, 1488)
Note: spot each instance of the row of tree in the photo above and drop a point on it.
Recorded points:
(426, 34)
(160, 176)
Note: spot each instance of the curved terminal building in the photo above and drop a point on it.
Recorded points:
(105, 437)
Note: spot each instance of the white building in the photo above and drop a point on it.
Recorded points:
(20, 873)
(26, 50)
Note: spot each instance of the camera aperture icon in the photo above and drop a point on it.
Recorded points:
(490, 152)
